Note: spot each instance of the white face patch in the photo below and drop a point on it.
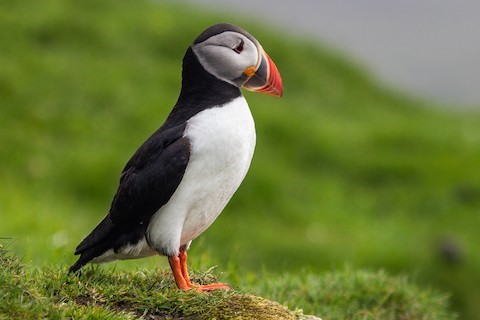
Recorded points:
(218, 56)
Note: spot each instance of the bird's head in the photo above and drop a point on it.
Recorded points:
(231, 54)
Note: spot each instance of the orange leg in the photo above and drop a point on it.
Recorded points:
(180, 273)
(177, 273)
(183, 267)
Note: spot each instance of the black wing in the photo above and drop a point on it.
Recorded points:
(147, 182)
(151, 177)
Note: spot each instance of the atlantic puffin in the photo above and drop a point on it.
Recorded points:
(181, 178)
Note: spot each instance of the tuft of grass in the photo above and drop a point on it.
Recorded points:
(50, 293)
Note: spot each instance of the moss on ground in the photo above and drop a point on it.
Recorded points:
(27, 292)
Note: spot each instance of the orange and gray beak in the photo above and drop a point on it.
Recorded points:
(266, 78)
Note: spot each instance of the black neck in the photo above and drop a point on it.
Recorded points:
(200, 90)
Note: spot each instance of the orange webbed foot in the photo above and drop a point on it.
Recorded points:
(182, 279)
(211, 287)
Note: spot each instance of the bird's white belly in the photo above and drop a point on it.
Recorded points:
(222, 144)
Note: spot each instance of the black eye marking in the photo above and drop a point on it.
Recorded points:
(239, 47)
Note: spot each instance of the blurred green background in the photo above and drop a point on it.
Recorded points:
(346, 171)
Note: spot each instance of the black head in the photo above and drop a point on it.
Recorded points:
(220, 61)
(233, 55)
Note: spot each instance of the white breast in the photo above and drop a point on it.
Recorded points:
(222, 145)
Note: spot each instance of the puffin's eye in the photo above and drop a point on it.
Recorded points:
(239, 47)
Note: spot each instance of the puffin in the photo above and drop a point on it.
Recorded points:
(182, 177)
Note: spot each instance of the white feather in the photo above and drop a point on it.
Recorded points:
(222, 144)
(138, 250)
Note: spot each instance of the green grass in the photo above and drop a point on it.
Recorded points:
(359, 294)
(50, 293)
(345, 171)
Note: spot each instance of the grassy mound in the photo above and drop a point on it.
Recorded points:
(49, 293)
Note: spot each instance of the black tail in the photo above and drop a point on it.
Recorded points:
(104, 237)
(91, 253)
(103, 231)
(95, 244)
(80, 263)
